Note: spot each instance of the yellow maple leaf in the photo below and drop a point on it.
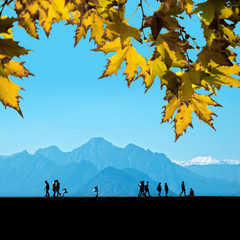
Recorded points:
(80, 33)
(133, 60)
(170, 108)
(13, 68)
(183, 119)
(8, 49)
(200, 105)
(115, 62)
(189, 81)
(172, 49)
(52, 11)
(186, 89)
(154, 67)
(9, 94)
(92, 19)
(187, 5)
(224, 74)
(123, 53)
(97, 29)
(27, 15)
(122, 29)
(108, 47)
(6, 24)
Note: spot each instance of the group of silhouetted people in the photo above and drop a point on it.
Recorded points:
(159, 189)
(191, 193)
(55, 188)
(144, 189)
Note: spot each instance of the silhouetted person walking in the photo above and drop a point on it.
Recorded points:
(46, 189)
(54, 187)
(146, 190)
(159, 189)
(166, 189)
(58, 188)
(141, 188)
(183, 189)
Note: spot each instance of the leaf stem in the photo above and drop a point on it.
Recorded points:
(132, 14)
(149, 5)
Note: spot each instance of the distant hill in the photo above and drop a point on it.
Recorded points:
(24, 174)
(117, 171)
(225, 172)
(114, 182)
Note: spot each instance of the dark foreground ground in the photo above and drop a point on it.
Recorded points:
(124, 205)
(120, 217)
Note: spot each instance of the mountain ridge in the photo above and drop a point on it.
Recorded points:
(95, 162)
(208, 160)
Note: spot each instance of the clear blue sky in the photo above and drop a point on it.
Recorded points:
(65, 104)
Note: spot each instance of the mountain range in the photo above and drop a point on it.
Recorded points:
(206, 161)
(117, 172)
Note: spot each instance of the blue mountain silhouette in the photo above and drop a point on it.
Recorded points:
(117, 171)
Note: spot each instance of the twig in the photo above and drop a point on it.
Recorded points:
(144, 36)
(189, 60)
(3, 5)
(143, 16)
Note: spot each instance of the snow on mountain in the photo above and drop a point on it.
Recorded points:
(205, 161)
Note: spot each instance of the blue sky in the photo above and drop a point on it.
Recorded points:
(65, 104)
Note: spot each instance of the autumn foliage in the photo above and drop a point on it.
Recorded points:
(162, 32)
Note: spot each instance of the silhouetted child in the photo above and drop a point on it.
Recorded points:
(159, 189)
(191, 192)
(146, 190)
(96, 190)
(166, 189)
(46, 189)
(183, 189)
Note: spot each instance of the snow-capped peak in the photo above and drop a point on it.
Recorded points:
(205, 161)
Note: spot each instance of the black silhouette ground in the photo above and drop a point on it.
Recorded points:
(191, 206)
(124, 217)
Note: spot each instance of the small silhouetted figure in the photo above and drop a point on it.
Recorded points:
(191, 192)
(183, 189)
(141, 188)
(96, 190)
(159, 189)
(57, 188)
(64, 191)
(54, 188)
(46, 189)
(166, 189)
(146, 190)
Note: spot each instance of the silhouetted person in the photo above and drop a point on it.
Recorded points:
(159, 189)
(46, 189)
(146, 189)
(141, 188)
(183, 189)
(64, 191)
(58, 188)
(166, 189)
(54, 187)
(96, 190)
(191, 192)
